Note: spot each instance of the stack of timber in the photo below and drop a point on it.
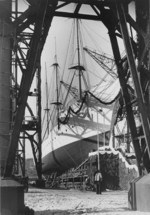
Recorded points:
(74, 178)
(116, 170)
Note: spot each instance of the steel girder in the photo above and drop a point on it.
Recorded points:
(105, 11)
(31, 31)
(137, 85)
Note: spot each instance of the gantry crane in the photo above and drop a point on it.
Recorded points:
(24, 34)
(28, 34)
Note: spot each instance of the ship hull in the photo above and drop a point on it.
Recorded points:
(71, 155)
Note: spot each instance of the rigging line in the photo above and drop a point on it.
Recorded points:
(56, 65)
(100, 77)
(47, 101)
(99, 35)
(87, 85)
(107, 97)
(94, 74)
(47, 126)
(104, 114)
(55, 51)
(71, 110)
(53, 117)
(83, 101)
(50, 119)
(107, 86)
(102, 81)
(102, 92)
(79, 63)
(102, 95)
(84, 58)
(73, 49)
(51, 88)
(70, 156)
(75, 127)
(68, 91)
(92, 38)
(67, 53)
(85, 82)
(43, 118)
(109, 94)
(78, 40)
(73, 41)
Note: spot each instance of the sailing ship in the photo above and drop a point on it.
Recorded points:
(81, 119)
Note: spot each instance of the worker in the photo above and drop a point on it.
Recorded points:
(98, 180)
(87, 182)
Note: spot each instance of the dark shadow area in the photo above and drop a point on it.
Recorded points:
(54, 212)
(81, 211)
(114, 210)
(36, 191)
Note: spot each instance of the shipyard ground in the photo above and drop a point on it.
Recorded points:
(64, 202)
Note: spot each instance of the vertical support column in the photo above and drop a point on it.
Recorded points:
(148, 99)
(126, 96)
(39, 142)
(128, 138)
(22, 155)
(35, 52)
(113, 137)
(131, 62)
(5, 72)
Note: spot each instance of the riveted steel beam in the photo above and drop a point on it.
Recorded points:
(126, 97)
(33, 58)
(133, 69)
(77, 15)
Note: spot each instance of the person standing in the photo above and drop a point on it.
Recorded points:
(98, 180)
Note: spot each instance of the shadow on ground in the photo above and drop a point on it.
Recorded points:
(83, 211)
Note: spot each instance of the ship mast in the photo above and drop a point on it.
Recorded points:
(47, 101)
(57, 103)
(79, 67)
